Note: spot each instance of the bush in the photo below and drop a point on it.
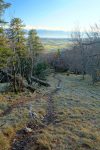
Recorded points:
(40, 69)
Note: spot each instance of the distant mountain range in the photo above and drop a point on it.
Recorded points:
(52, 33)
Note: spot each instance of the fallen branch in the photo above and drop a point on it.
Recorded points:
(2, 124)
(19, 81)
(29, 88)
(40, 81)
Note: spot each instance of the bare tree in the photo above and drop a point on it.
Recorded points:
(78, 41)
(93, 65)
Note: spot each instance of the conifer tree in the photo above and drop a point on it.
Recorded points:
(17, 42)
(34, 43)
(35, 47)
(4, 46)
(17, 37)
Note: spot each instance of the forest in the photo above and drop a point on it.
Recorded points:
(49, 88)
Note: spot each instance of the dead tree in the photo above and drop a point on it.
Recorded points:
(93, 67)
(93, 43)
(78, 43)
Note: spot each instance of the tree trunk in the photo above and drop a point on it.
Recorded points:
(18, 81)
(40, 81)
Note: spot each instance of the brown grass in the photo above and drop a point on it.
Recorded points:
(76, 125)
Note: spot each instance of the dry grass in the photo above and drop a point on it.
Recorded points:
(7, 135)
(77, 107)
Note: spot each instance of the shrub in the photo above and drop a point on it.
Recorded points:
(40, 69)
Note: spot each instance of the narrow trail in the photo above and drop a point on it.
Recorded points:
(45, 128)
(25, 141)
(51, 112)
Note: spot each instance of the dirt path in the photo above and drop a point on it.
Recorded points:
(26, 141)
(50, 115)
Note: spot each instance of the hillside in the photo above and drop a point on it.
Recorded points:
(74, 107)
(52, 44)
(49, 75)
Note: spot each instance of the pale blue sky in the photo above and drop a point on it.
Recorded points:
(55, 14)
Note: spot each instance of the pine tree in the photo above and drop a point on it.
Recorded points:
(34, 43)
(35, 47)
(4, 46)
(17, 42)
(3, 6)
(17, 37)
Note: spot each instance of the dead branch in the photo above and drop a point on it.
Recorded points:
(40, 81)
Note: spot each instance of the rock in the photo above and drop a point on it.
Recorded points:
(28, 130)
(33, 115)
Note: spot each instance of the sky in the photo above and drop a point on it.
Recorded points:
(55, 14)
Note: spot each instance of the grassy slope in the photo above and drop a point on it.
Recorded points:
(54, 44)
(77, 108)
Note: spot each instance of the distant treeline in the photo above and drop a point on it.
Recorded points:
(82, 58)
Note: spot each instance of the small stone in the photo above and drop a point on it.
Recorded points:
(28, 130)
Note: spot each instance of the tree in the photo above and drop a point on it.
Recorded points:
(5, 51)
(3, 6)
(4, 46)
(34, 43)
(93, 44)
(17, 36)
(17, 42)
(78, 43)
(35, 47)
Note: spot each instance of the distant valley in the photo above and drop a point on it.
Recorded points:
(53, 44)
(54, 39)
